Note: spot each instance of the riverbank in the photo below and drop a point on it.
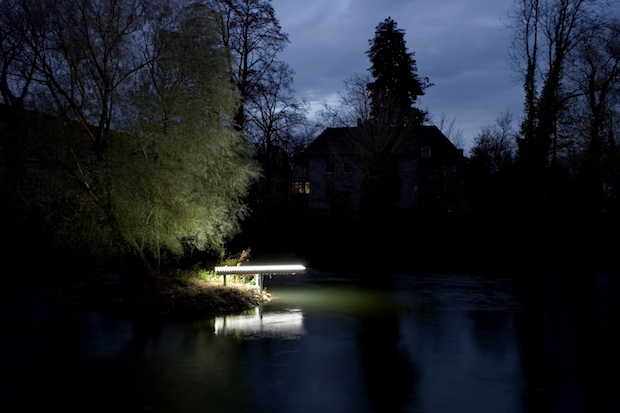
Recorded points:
(165, 299)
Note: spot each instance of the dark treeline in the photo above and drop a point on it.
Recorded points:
(541, 190)
(119, 144)
(145, 132)
(139, 134)
(553, 181)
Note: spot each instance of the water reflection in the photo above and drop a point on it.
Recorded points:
(257, 324)
(329, 344)
(431, 344)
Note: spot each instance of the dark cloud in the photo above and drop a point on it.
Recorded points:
(460, 46)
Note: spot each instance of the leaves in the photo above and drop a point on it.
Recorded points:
(142, 157)
(395, 81)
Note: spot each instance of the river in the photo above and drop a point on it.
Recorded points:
(331, 343)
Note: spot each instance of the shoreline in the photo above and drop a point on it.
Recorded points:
(191, 300)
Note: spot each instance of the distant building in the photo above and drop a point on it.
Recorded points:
(327, 175)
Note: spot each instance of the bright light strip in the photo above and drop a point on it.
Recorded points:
(282, 325)
(262, 269)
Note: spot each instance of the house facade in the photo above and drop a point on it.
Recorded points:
(328, 174)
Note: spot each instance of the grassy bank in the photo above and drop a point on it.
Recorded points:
(166, 298)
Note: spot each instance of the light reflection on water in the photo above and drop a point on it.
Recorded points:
(257, 324)
(324, 344)
(431, 344)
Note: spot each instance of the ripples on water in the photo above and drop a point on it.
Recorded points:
(326, 343)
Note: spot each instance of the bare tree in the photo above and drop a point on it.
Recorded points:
(447, 125)
(354, 104)
(547, 37)
(597, 75)
(86, 52)
(495, 146)
(16, 59)
(592, 116)
(274, 117)
(354, 110)
(269, 114)
(252, 34)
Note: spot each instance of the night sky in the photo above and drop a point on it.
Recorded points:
(461, 46)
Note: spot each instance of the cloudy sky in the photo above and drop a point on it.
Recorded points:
(461, 46)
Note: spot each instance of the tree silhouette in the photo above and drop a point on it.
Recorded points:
(548, 38)
(395, 85)
(391, 129)
(271, 118)
(253, 37)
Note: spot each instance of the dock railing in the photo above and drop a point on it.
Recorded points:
(259, 271)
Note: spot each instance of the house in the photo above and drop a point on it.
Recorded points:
(327, 175)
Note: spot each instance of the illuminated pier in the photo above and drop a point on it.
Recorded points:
(259, 271)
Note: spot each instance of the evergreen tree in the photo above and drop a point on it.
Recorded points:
(391, 129)
(396, 85)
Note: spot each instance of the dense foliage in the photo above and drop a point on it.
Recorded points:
(137, 156)
(391, 128)
(555, 180)
(567, 56)
(396, 85)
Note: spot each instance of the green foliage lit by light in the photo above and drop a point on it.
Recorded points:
(197, 168)
(205, 275)
(136, 155)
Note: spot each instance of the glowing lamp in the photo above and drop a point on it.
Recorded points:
(259, 271)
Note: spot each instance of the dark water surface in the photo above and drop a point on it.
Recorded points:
(436, 343)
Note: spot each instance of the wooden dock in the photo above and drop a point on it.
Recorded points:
(259, 271)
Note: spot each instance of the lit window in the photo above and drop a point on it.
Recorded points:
(300, 187)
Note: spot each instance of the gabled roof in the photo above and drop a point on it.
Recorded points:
(439, 143)
(338, 140)
(333, 140)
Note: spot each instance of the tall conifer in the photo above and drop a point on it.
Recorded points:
(396, 85)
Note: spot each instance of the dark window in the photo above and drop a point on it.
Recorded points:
(330, 167)
(426, 152)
